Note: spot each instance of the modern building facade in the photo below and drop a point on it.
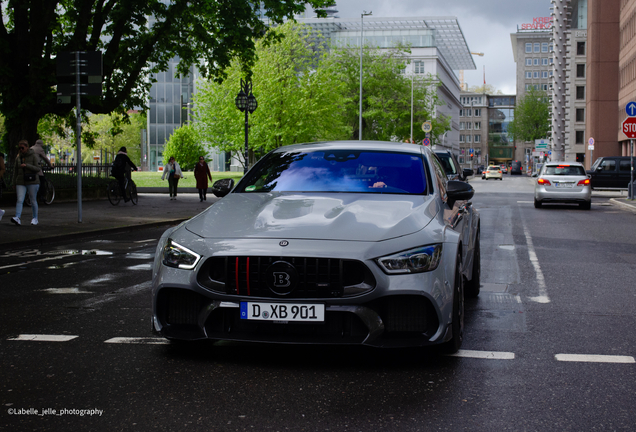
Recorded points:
(438, 47)
(532, 51)
(473, 129)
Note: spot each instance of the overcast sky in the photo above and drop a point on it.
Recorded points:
(486, 24)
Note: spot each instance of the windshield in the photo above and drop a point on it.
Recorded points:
(337, 171)
(564, 170)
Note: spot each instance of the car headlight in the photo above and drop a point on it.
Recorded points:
(418, 260)
(175, 255)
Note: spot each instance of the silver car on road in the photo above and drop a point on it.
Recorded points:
(349, 242)
(563, 182)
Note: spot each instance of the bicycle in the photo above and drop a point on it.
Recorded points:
(114, 194)
(45, 195)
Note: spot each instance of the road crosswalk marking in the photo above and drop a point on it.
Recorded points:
(43, 338)
(592, 358)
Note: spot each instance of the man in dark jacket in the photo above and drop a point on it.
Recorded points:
(122, 165)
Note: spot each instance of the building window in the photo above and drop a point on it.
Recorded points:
(469, 125)
(580, 48)
(544, 74)
(419, 67)
(551, 61)
(580, 114)
(477, 112)
(537, 47)
(528, 61)
(580, 136)
(528, 74)
(461, 125)
(544, 61)
(580, 92)
(477, 125)
(537, 86)
(461, 138)
(545, 87)
(551, 73)
(528, 86)
(468, 138)
(536, 74)
(536, 62)
(580, 71)
(528, 47)
(477, 138)
(544, 47)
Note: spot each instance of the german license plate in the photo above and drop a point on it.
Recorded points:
(565, 184)
(285, 312)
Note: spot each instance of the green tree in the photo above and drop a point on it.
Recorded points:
(186, 147)
(386, 94)
(137, 38)
(300, 98)
(532, 117)
(485, 89)
(113, 131)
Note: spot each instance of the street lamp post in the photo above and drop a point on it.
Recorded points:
(246, 102)
(364, 13)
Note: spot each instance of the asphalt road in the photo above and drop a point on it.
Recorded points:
(549, 343)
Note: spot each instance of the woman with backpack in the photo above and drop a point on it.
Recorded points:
(172, 170)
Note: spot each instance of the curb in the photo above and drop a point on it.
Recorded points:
(85, 234)
(623, 205)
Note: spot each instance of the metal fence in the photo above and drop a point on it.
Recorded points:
(65, 176)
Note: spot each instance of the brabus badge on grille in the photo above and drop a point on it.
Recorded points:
(283, 243)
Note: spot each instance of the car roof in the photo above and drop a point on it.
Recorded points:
(563, 163)
(356, 145)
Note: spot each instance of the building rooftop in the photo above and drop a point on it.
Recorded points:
(447, 35)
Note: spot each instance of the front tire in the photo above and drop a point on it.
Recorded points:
(457, 326)
(473, 286)
(50, 192)
(133, 193)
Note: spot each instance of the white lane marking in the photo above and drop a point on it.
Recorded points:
(594, 358)
(543, 290)
(525, 202)
(65, 291)
(43, 338)
(145, 241)
(138, 340)
(147, 266)
(490, 355)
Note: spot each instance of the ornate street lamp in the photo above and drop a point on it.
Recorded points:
(246, 102)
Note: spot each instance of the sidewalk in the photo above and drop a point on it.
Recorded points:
(60, 220)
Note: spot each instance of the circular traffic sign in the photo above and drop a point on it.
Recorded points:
(426, 141)
(630, 109)
(427, 127)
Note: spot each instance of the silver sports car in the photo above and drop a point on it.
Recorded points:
(352, 242)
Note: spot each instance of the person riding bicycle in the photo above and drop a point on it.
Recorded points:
(121, 169)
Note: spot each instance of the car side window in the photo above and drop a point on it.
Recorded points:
(625, 165)
(608, 165)
(440, 176)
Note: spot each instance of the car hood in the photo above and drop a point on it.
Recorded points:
(355, 217)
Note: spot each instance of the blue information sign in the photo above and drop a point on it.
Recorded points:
(630, 109)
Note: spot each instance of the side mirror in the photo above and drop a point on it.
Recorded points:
(458, 191)
(599, 168)
(468, 172)
(222, 187)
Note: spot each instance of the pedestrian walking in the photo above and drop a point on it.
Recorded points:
(25, 179)
(121, 169)
(202, 174)
(172, 171)
(38, 149)
(3, 169)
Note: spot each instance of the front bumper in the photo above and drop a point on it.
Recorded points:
(400, 310)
